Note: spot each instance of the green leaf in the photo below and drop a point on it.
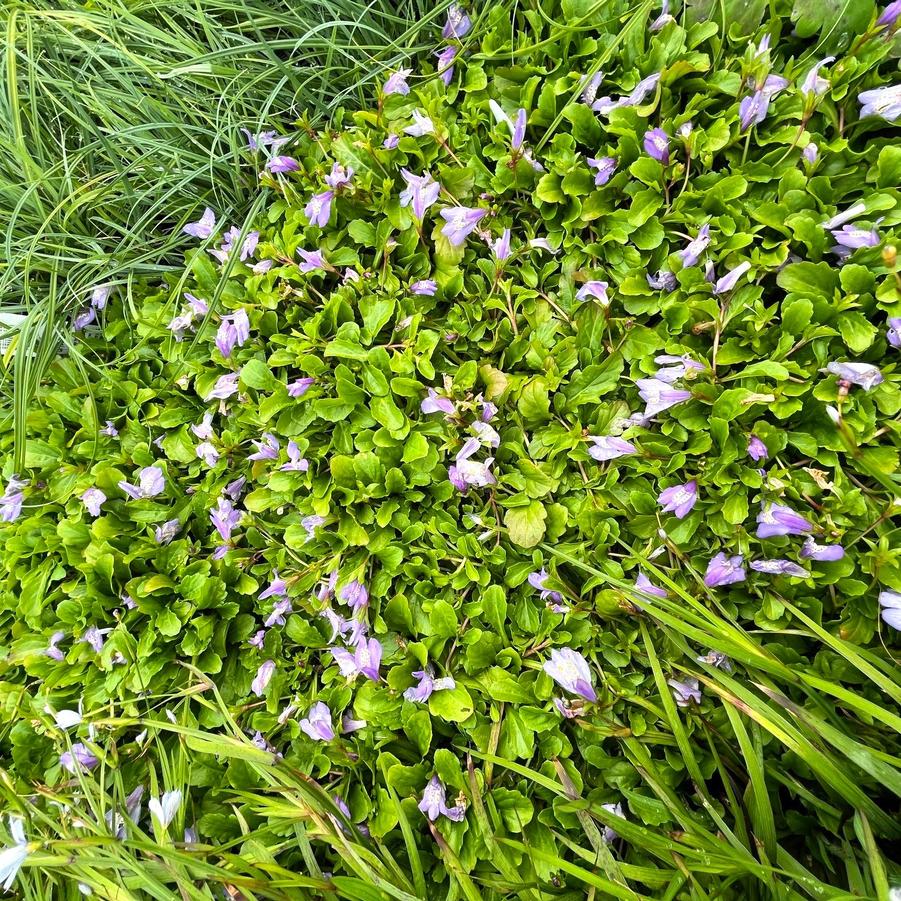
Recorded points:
(526, 525)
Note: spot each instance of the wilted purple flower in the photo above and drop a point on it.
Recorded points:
(280, 609)
(204, 227)
(779, 568)
(234, 329)
(569, 669)
(596, 290)
(814, 85)
(890, 15)
(365, 660)
(607, 448)
(777, 519)
(434, 803)
(354, 594)
(226, 385)
(679, 499)
(12, 499)
(610, 834)
(262, 678)
(537, 580)
(723, 570)
(267, 448)
(663, 281)
(883, 102)
(435, 403)
(458, 23)
(317, 724)
(692, 253)
(427, 685)
(425, 286)
(151, 482)
(646, 586)
(757, 450)
(391, 142)
(339, 177)
(52, 650)
(296, 462)
(659, 396)
(604, 168)
(276, 588)
(421, 192)
(225, 518)
(890, 602)
(319, 208)
(810, 153)
(853, 238)
(422, 125)
(397, 83)
(685, 692)
(605, 105)
(299, 387)
(327, 588)
(893, 333)
(730, 279)
(446, 59)
(100, 295)
(262, 267)
(826, 553)
(862, 374)
(501, 247)
(167, 531)
(459, 222)
(282, 164)
(78, 758)
(656, 143)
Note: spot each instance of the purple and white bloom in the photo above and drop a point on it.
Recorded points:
(257, 639)
(883, 102)
(890, 15)
(825, 553)
(846, 216)
(435, 403)
(458, 23)
(349, 724)
(863, 374)
(311, 523)
(234, 489)
(167, 531)
(604, 105)
(538, 580)
(779, 568)
(723, 570)
(569, 669)
(164, 809)
(311, 260)
(52, 651)
(646, 586)
(78, 758)
(663, 281)
(266, 449)
(678, 367)
(685, 693)
(446, 58)
(427, 685)
(263, 677)
(659, 396)
(110, 429)
(299, 387)
(264, 139)
(226, 385)
(489, 411)
(610, 834)
(234, 330)
(207, 452)
(327, 587)
(753, 110)
(468, 473)
(541, 244)
(893, 333)
(656, 143)
(518, 133)
(276, 588)
(757, 450)
(365, 660)
(854, 238)
(459, 222)
(94, 637)
(421, 192)
(225, 518)
(12, 858)
(425, 287)
(204, 227)
(810, 153)
(354, 594)
(501, 247)
(339, 177)
(604, 167)
(317, 724)
(814, 85)
(397, 83)
(262, 267)
(664, 18)
(204, 429)
(486, 433)
(730, 279)
(679, 499)
(391, 142)
(282, 164)
(280, 609)
(83, 320)
(434, 803)
(596, 290)
(777, 519)
(100, 295)
(717, 659)
(566, 709)
(692, 253)
(93, 499)
(319, 209)
(151, 482)
(422, 125)
(890, 602)
(608, 448)
(248, 245)
(296, 462)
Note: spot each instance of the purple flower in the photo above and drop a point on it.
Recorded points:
(435, 403)
(198, 306)
(596, 290)
(890, 15)
(311, 260)
(814, 85)
(262, 678)
(52, 650)
(862, 374)
(883, 102)
(339, 177)
(421, 192)
(853, 238)
(311, 523)
(681, 366)
(263, 139)
(569, 669)
(610, 834)
(446, 59)
(607, 448)
(207, 452)
(717, 659)
(397, 83)
(427, 685)
(167, 531)
(296, 462)
(425, 286)
(810, 153)
(354, 594)
(434, 803)
(94, 637)
(365, 660)
(659, 396)
(267, 448)
(537, 580)
(692, 253)
(317, 724)
(233, 331)
(248, 245)
(679, 499)
(83, 320)
(685, 692)
(110, 429)
(646, 586)
(777, 519)
(327, 588)
(468, 473)
(656, 143)
(226, 385)
(723, 570)
(890, 602)
(280, 609)
(204, 227)
(604, 168)
(78, 758)
(204, 429)
(100, 295)
(663, 281)
(779, 568)
(422, 125)
(518, 129)
(276, 588)
(753, 110)
(458, 23)
(605, 105)
(282, 164)
(257, 639)
(757, 450)
(730, 279)
(893, 333)
(299, 387)
(501, 247)
(489, 411)
(391, 142)
(319, 209)
(12, 499)
(459, 222)
(151, 482)
(225, 518)
(826, 553)
(486, 434)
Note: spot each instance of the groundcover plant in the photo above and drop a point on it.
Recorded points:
(504, 508)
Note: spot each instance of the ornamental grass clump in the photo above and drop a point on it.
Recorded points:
(508, 506)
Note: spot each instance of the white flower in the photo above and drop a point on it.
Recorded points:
(12, 858)
(165, 808)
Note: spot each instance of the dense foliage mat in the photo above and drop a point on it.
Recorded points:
(505, 509)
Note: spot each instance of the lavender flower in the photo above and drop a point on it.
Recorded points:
(646, 586)
(663, 19)
(810, 153)
(397, 83)
(226, 385)
(467, 473)
(777, 519)
(279, 165)
(753, 110)
(607, 448)
(296, 462)
(365, 660)
(890, 15)
(446, 58)
(78, 758)
(204, 227)
(339, 177)
(12, 858)
(757, 450)
(779, 568)
(692, 253)
(311, 523)
(656, 143)
(723, 570)
(267, 448)
(814, 85)
(262, 678)
(207, 452)
(197, 305)
(569, 669)
(299, 387)
(890, 602)
(421, 192)
(596, 290)
(685, 693)
(427, 685)
(858, 209)
(460, 221)
(391, 142)
(248, 245)
(151, 482)
(233, 331)
(311, 260)
(663, 281)
(167, 531)
(225, 518)
(854, 238)
(537, 580)
(717, 659)
(501, 247)
(52, 651)
(426, 287)
(263, 139)
(354, 594)
(605, 105)
(590, 87)
(280, 609)
(110, 429)
(422, 125)
(604, 168)
(679, 499)
(276, 588)
(659, 396)
(83, 320)
(317, 724)
(730, 279)
(458, 23)
(610, 834)
(434, 803)
(12, 499)
(863, 374)
(883, 102)
(319, 209)
(257, 639)
(435, 403)
(826, 553)
(893, 333)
